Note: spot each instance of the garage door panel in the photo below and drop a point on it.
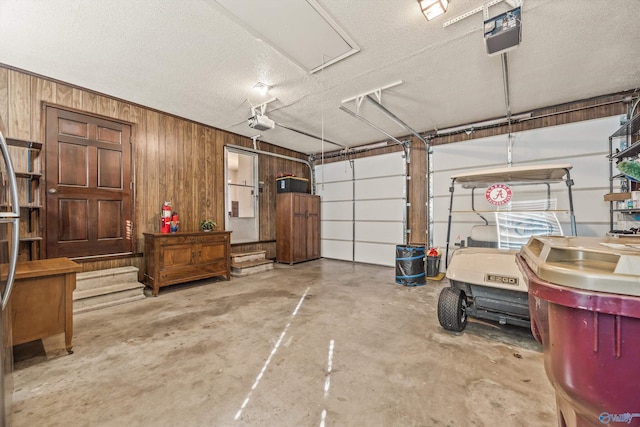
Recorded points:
(597, 176)
(335, 191)
(469, 155)
(390, 187)
(336, 229)
(331, 172)
(379, 210)
(336, 211)
(376, 166)
(563, 141)
(379, 232)
(375, 253)
(587, 210)
(335, 249)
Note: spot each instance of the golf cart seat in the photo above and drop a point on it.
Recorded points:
(483, 236)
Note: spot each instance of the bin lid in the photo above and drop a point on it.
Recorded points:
(601, 264)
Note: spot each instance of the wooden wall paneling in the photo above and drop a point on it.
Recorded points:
(194, 156)
(182, 195)
(4, 100)
(150, 180)
(417, 222)
(19, 124)
(42, 91)
(123, 111)
(139, 153)
(187, 208)
(162, 193)
(90, 102)
(216, 178)
(113, 108)
(204, 150)
(551, 116)
(265, 172)
(104, 106)
(270, 248)
(215, 164)
(68, 96)
(171, 155)
(213, 194)
(269, 205)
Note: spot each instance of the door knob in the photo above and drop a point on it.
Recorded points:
(52, 191)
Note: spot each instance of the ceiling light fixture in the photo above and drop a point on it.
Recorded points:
(433, 8)
(262, 88)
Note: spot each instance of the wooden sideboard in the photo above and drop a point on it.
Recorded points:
(182, 257)
(41, 302)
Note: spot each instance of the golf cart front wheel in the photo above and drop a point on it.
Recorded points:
(452, 309)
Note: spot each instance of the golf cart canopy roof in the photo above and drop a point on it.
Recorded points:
(530, 173)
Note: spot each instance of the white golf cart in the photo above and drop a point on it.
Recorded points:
(498, 210)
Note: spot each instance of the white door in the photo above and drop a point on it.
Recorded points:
(241, 195)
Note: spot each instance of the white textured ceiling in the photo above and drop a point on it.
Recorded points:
(191, 59)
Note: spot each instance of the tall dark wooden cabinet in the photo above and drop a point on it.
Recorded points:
(297, 227)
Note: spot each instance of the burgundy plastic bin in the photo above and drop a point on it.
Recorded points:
(584, 300)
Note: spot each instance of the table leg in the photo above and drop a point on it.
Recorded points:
(70, 284)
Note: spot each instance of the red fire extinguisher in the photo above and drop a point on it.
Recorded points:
(165, 218)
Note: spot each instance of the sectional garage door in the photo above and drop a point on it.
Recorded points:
(363, 208)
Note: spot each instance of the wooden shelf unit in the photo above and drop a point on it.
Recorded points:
(27, 163)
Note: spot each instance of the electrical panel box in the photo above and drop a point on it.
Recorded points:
(503, 32)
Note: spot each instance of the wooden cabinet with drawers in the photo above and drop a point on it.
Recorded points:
(183, 257)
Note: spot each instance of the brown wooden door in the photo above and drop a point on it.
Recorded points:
(88, 185)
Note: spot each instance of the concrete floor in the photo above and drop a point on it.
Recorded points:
(322, 343)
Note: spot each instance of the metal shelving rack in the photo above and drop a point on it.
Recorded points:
(628, 139)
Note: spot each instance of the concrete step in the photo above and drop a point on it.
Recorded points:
(97, 298)
(247, 268)
(101, 278)
(106, 288)
(239, 257)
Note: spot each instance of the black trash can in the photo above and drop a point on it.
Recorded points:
(433, 266)
(410, 265)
